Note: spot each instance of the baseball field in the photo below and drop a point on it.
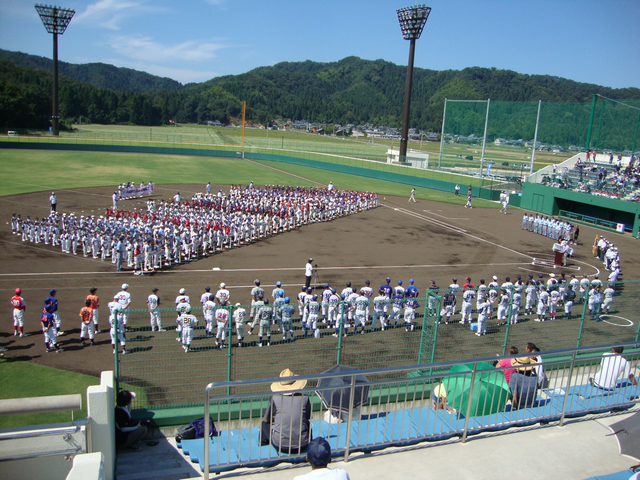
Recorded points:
(428, 240)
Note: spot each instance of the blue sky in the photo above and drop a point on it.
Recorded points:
(195, 40)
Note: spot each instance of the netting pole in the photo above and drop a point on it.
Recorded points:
(584, 311)
(244, 108)
(506, 330)
(229, 342)
(444, 117)
(116, 369)
(340, 332)
(535, 138)
(590, 127)
(599, 126)
(424, 327)
(484, 138)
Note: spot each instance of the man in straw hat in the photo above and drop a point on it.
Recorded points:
(286, 423)
(523, 382)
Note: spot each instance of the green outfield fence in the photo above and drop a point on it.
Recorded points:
(170, 378)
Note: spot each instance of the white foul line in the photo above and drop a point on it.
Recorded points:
(455, 229)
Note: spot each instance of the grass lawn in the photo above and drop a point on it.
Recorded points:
(24, 379)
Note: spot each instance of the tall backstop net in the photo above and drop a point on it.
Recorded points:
(491, 138)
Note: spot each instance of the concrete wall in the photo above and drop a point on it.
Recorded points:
(89, 466)
(100, 410)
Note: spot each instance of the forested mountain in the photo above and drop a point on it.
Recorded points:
(351, 90)
(99, 75)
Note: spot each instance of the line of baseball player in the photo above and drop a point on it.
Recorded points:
(350, 308)
(51, 323)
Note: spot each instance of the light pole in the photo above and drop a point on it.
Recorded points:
(412, 21)
(55, 20)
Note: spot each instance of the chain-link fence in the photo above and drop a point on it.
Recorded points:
(156, 363)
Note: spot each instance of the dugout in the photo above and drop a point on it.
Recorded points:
(550, 201)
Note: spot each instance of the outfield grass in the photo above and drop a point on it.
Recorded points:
(64, 170)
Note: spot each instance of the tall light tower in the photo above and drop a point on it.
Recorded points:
(55, 20)
(412, 21)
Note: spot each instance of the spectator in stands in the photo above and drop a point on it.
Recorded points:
(612, 366)
(439, 398)
(506, 362)
(319, 456)
(286, 423)
(539, 369)
(523, 383)
(129, 432)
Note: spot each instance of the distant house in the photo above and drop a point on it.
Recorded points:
(500, 141)
(215, 123)
(431, 137)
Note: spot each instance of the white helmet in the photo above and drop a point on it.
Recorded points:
(125, 286)
(183, 291)
(222, 285)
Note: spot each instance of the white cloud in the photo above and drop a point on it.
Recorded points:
(111, 13)
(144, 48)
(182, 75)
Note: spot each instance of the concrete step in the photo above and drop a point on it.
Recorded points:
(161, 462)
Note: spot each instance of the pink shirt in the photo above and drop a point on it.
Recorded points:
(507, 373)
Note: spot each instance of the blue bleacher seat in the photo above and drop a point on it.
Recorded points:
(400, 427)
(219, 456)
(574, 406)
(368, 432)
(248, 449)
(588, 391)
(623, 475)
(334, 433)
(438, 424)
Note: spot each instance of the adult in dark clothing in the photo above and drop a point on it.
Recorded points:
(287, 422)
(128, 431)
(523, 383)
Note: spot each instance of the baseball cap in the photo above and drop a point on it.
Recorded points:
(52, 291)
(310, 260)
(495, 278)
(18, 291)
(125, 286)
(183, 291)
(319, 452)
(222, 285)
(154, 290)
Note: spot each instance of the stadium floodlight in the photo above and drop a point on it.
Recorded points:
(412, 21)
(55, 20)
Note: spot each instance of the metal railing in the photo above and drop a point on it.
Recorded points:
(27, 441)
(446, 400)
